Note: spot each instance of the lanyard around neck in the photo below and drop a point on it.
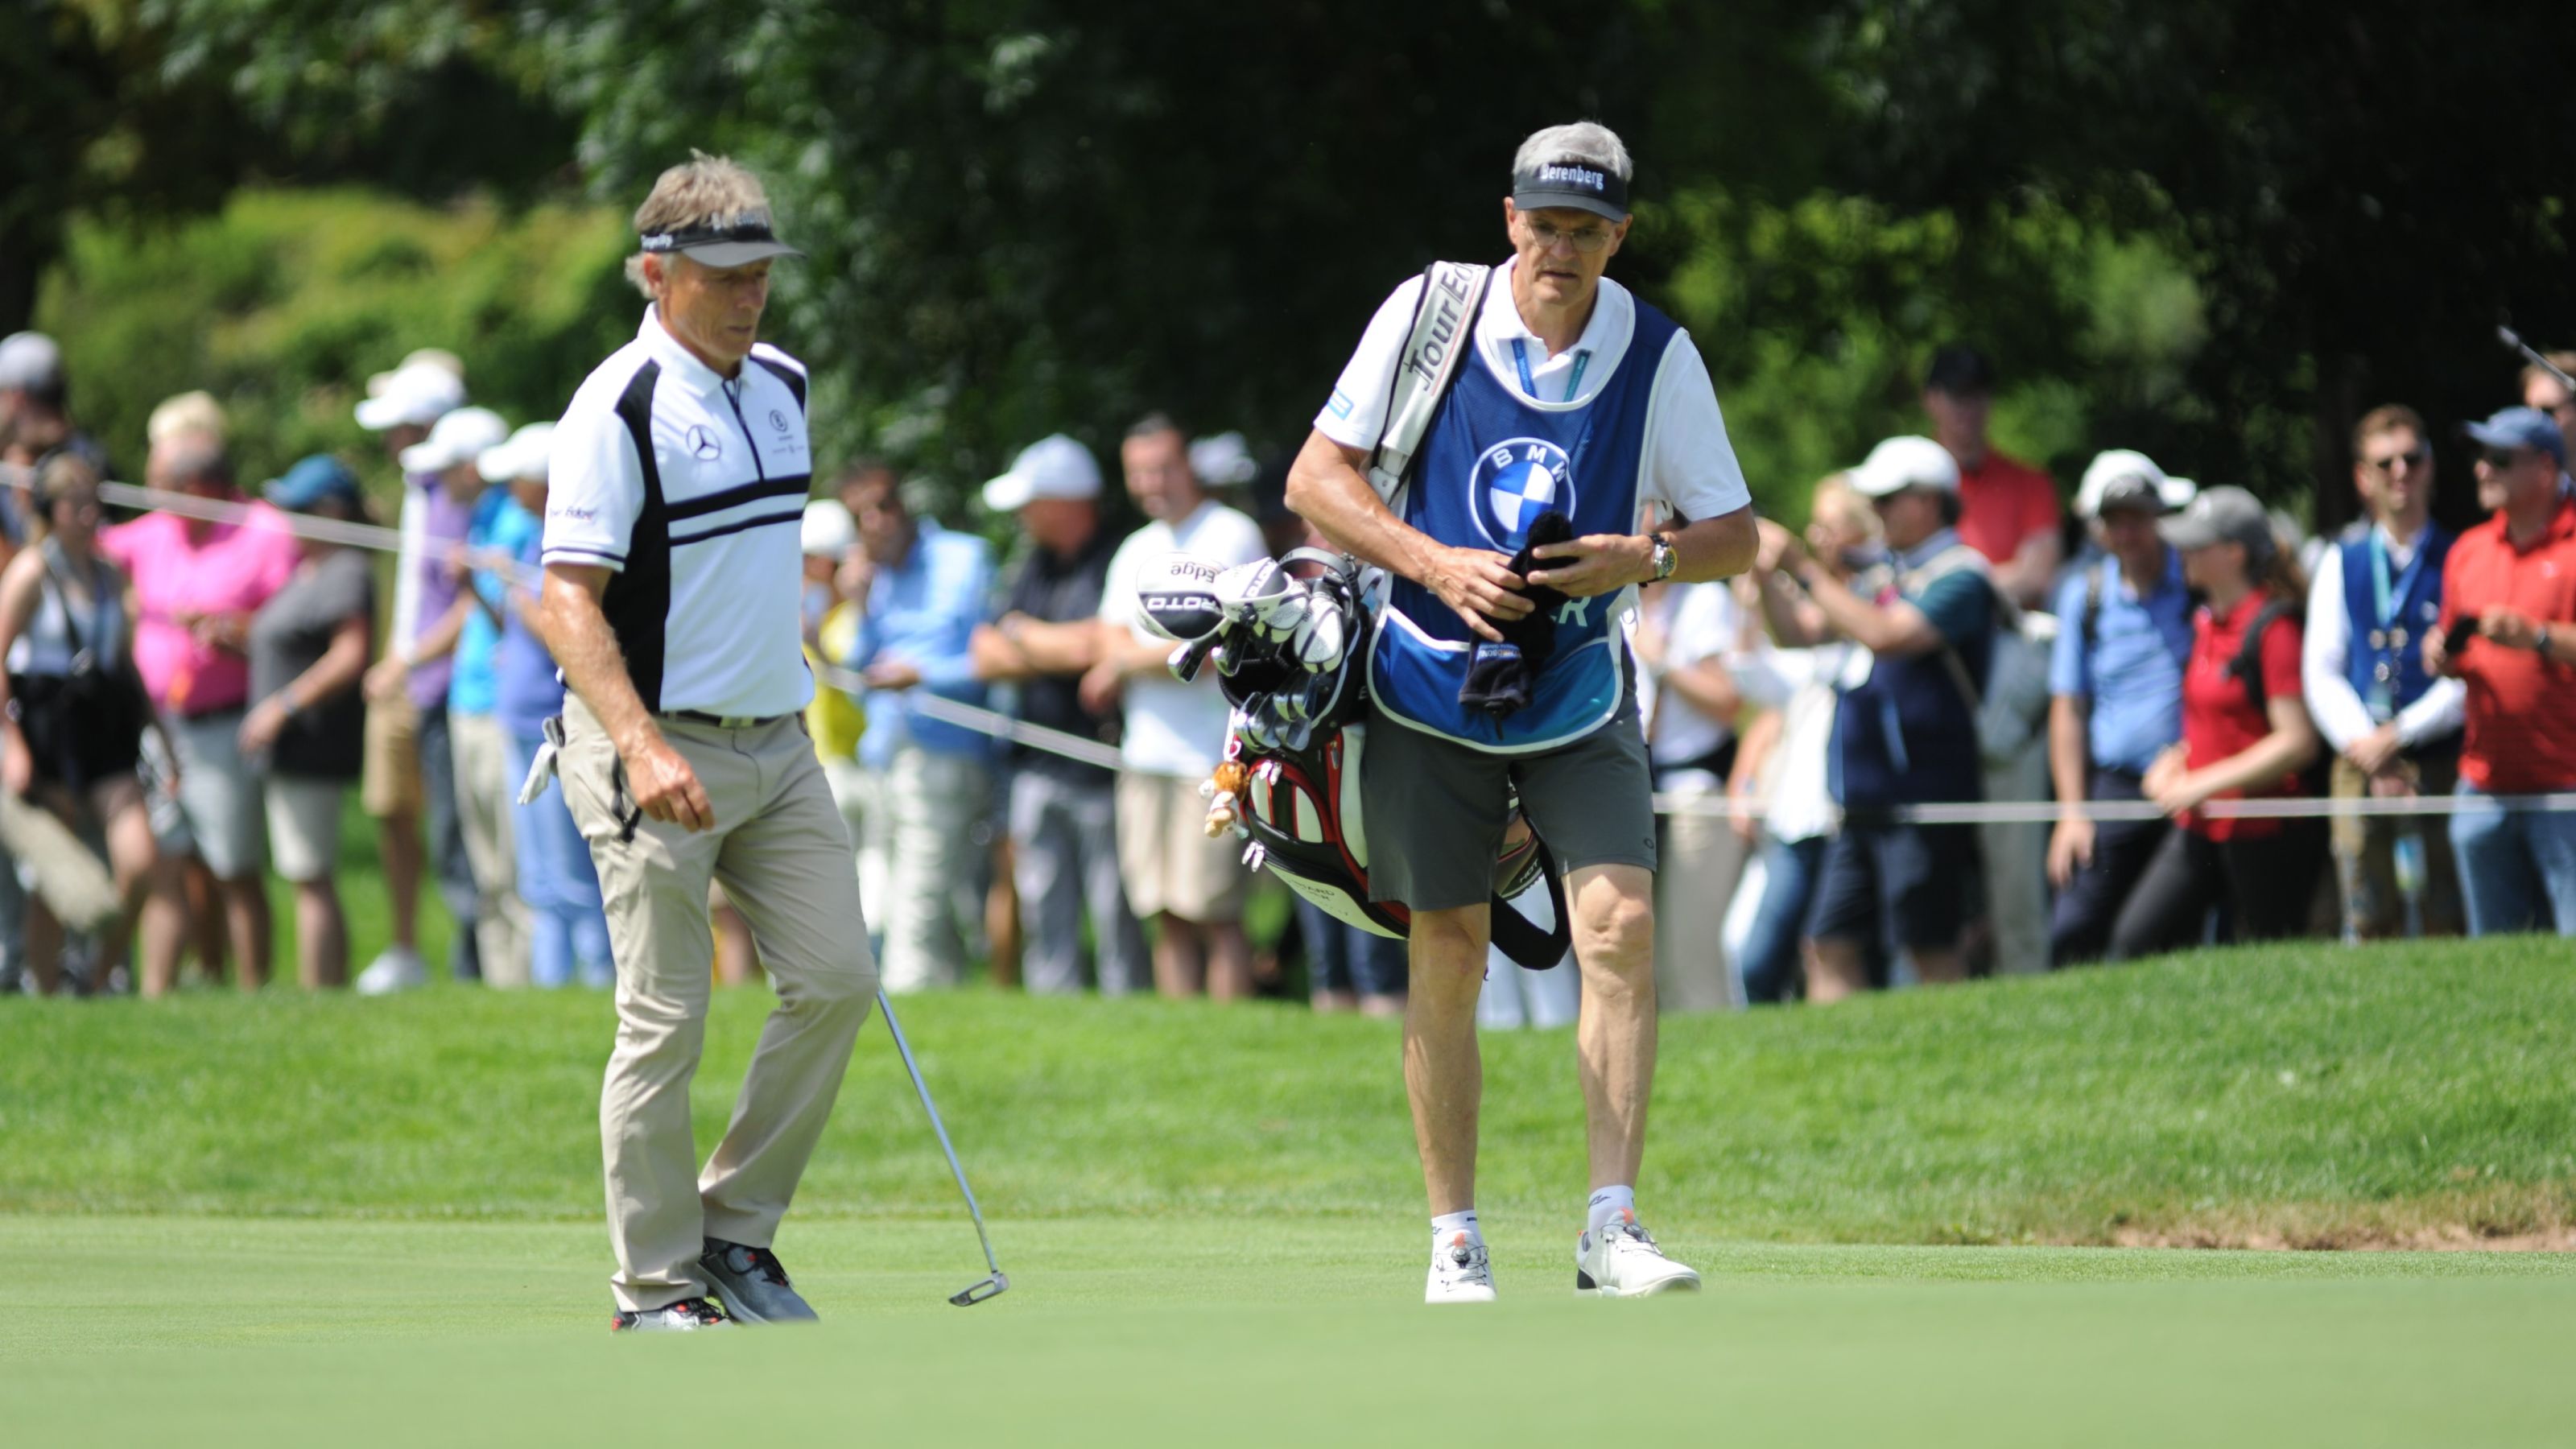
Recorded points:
(2384, 592)
(1529, 384)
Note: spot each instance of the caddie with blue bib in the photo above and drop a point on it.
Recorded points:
(1519, 448)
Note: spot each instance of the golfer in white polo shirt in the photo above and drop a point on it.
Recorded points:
(671, 602)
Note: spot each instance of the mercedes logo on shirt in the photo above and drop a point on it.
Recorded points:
(703, 443)
(778, 420)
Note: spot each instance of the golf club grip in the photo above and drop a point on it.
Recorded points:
(938, 1128)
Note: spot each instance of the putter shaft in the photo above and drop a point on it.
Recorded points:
(938, 1128)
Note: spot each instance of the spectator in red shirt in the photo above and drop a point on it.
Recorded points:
(2509, 601)
(2245, 733)
(2007, 508)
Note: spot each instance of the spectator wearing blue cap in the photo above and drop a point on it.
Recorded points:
(305, 730)
(2510, 590)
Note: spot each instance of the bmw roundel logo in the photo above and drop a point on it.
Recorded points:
(1515, 482)
(703, 443)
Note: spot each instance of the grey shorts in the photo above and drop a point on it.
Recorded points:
(1436, 809)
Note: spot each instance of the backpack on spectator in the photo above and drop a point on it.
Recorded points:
(2011, 703)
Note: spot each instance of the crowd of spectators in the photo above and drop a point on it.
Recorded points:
(196, 696)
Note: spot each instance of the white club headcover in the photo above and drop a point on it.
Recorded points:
(1246, 591)
(1176, 595)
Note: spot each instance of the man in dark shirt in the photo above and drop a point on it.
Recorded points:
(1064, 837)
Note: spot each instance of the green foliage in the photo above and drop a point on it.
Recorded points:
(284, 302)
(1818, 316)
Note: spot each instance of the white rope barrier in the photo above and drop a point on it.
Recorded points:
(380, 539)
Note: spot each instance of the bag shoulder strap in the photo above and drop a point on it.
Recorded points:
(2096, 579)
(58, 579)
(2247, 666)
(1444, 319)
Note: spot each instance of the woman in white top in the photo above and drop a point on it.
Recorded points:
(74, 714)
(1689, 703)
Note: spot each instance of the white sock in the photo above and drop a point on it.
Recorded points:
(1607, 1203)
(1448, 1224)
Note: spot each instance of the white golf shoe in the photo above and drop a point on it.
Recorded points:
(396, 968)
(1460, 1271)
(1622, 1261)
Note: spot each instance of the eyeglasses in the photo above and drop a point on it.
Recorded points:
(1584, 239)
(2500, 459)
(2413, 458)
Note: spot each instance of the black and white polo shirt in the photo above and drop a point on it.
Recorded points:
(691, 486)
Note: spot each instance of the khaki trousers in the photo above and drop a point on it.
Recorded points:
(486, 798)
(1700, 861)
(2365, 847)
(783, 855)
(917, 841)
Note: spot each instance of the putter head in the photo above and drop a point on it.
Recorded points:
(982, 1290)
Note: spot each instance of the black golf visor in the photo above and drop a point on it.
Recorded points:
(731, 244)
(1578, 184)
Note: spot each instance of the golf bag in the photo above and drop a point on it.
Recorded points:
(1292, 658)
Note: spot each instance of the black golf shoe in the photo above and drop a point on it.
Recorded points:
(753, 1284)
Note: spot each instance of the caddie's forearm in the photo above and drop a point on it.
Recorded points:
(1714, 548)
(1328, 491)
(576, 633)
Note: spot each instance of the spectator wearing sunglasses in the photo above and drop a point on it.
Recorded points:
(2393, 727)
(2509, 634)
(2542, 390)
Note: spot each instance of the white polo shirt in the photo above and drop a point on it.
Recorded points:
(1689, 462)
(1174, 728)
(691, 486)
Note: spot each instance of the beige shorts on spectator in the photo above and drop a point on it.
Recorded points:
(304, 826)
(391, 782)
(1170, 865)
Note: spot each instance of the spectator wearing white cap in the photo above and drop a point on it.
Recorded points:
(1063, 813)
(441, 469)
(401, 405)
(567, 929)
(1907, 734)
(2115, 687)
(35, 411)
(1172, 733)
(828, 535)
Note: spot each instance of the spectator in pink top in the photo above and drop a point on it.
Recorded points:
(196, 585)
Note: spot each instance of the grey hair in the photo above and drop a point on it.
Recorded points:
(701, 191)
(1589, 142)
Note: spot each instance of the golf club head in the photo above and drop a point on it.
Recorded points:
(982, 1290)
(1178, 599)
(1187, 657)
(1247, 590)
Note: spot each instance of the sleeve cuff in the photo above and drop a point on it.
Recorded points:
(598, 557)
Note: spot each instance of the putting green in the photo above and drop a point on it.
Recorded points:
(1126, 1330)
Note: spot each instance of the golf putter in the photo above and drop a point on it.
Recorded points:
(997, 1283)
(2513, 339)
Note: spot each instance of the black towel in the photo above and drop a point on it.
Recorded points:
(1500, 676)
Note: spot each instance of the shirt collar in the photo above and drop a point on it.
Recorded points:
(1929, 549)
(676, 359)
(1613, 317)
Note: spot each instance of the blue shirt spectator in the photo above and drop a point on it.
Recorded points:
(922, 612)
(473, 688)
(2126, 663)
(1907, 734)
(526, 689)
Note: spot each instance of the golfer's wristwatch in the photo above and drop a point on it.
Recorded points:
(1665, 558)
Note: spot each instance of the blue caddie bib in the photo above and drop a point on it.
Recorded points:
(1492, 462)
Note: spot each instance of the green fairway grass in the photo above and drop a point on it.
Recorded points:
(1278, 1330)
(295, 1219)
(2306, 1094)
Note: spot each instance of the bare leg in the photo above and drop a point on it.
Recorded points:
(205, 917)
(1180, 964)
(165, 917)
(398, 844)
(321, 935)
(1002, 915)
(245, 905)
(1444, 1074)
(1836, 968)
(141, 875)
(1229, 961)
(737, 959)
(44, 945)
(1614, 946)
(1939, 968)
